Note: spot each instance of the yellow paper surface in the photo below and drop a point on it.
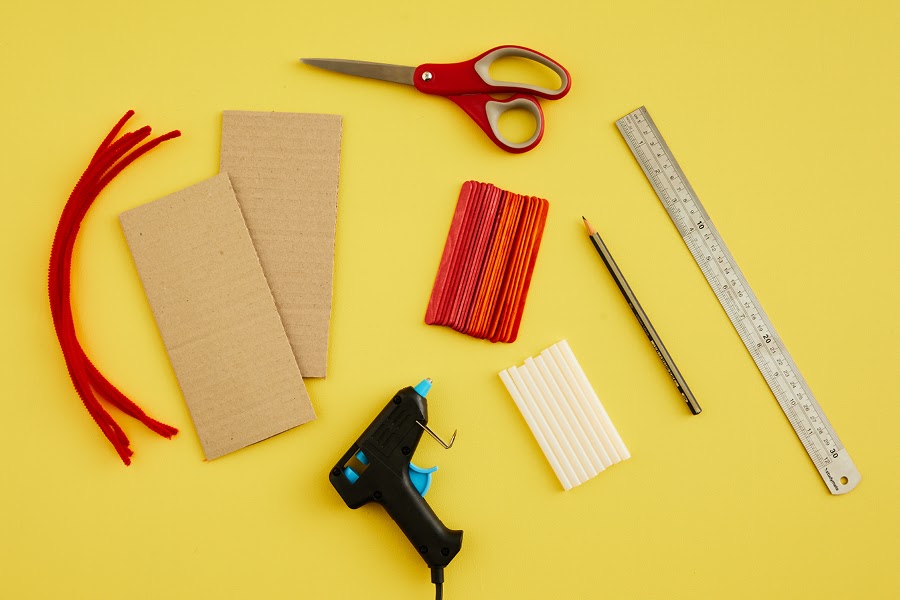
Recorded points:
(783, 116)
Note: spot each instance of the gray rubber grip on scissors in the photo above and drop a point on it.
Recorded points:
(483, 66)
(495, 109)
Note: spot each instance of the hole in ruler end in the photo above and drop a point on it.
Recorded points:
(844, 481)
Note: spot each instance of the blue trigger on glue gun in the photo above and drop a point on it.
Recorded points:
(420, 478)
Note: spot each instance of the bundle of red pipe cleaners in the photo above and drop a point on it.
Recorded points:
(111, 158)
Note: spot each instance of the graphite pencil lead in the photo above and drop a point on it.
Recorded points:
(590, 228)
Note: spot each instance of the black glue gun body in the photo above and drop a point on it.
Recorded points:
(377, 469)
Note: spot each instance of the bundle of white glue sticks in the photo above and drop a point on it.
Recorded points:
(565, 415)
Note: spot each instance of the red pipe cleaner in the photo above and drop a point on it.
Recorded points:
(108, 161)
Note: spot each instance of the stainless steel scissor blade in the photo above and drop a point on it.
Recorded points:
(384, 72)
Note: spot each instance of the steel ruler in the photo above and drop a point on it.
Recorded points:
(740, 303)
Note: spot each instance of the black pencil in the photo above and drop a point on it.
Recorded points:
(642, 318)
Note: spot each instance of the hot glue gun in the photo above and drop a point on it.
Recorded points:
(377, 468)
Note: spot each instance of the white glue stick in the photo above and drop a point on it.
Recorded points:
(595, 401)
(535, 429)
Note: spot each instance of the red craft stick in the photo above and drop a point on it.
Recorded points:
(457, 259)
(464, 260)
(483, 225)
(487, 229)
(451, 247)
(107, 162)
(484, 269)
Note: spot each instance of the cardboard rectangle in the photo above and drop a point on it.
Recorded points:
(217, 318)
(284, 168)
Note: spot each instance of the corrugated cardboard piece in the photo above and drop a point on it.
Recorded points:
(217, 317)
(284, 168)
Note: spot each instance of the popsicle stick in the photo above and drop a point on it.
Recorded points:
(517, 278)
(475, 261)
(535, 429)
(480, 288)
(513, 273)
(487, 263)
(451, 247)
(487, 293)
(507, 265)
(537, 234)
(486, 241)
(458, 263)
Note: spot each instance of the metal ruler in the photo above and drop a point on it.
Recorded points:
(738, 300)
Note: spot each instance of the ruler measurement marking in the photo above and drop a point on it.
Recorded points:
(734, 294)
(718, 256)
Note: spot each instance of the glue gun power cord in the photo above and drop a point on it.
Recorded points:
(437, 578)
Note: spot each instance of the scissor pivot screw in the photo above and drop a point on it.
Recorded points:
(427, 76)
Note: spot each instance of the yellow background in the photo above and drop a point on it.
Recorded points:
(782, 114)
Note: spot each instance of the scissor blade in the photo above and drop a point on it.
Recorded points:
(384, 72)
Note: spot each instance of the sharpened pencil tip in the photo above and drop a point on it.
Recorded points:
(588, 226)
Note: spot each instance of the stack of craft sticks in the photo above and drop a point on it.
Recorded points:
(488, 260)
(565, 415)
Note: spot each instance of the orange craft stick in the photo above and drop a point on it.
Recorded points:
(512, 276)
(500, 255)
(478, 290)
(521, 272)
(536, 236)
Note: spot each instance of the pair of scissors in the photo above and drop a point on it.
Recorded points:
(469, 85)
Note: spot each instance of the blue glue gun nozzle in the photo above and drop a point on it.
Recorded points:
(423, 387)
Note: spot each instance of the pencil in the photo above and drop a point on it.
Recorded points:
(642, 318)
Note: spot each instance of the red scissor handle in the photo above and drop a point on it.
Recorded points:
(472, 76)
(486, 111)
